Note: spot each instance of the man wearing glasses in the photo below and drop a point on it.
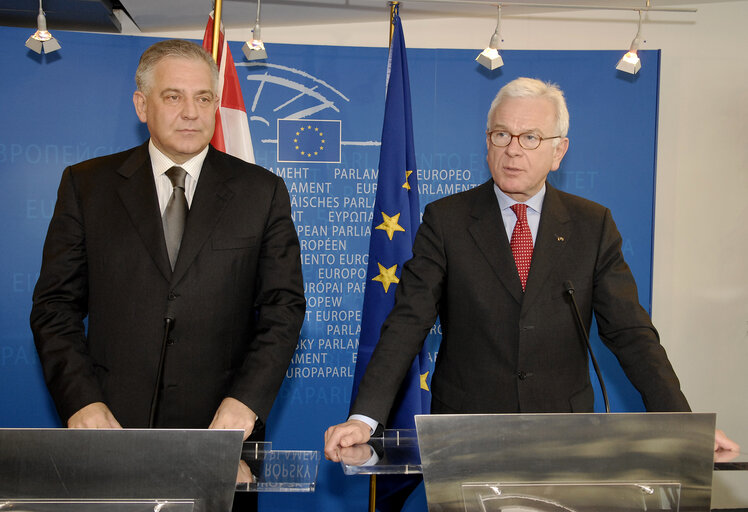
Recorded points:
(494, 264)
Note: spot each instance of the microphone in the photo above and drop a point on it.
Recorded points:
(168, 326)
(570, 290)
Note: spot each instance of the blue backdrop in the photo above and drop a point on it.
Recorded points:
(76, 104)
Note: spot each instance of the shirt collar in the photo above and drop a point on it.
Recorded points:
(534, 203)
(162, 163)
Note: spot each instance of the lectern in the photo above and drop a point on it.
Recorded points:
(567, 462)
(142, 470)
(56, 470)
(628, 462)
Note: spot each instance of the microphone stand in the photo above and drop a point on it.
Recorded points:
(570, 290)
(168, 324)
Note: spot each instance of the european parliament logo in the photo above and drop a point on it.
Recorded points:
(309, 140)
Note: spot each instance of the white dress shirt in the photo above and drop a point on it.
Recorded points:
(162, 163)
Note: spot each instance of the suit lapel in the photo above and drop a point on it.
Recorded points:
(211, 197)
(138, 195)
(554, 233)
(490, 237)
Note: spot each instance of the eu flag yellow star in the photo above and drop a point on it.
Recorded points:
(386, 276)
(424, 384)
(407, 175)
(390, 224)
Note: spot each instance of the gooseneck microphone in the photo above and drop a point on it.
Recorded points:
(168, 325)
(570, 290)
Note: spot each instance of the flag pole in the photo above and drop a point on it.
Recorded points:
(373, 478)
(372, 493)
(392, 17)
(216, 28)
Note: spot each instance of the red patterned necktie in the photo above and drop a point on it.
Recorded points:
(521, 242)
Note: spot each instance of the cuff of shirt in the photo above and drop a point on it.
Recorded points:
(373, 424)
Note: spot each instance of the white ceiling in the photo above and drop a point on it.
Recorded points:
(152, 16)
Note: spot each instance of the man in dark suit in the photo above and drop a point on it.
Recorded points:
(229, 293)
(492, 263)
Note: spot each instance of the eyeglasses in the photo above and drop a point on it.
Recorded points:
(528, 140)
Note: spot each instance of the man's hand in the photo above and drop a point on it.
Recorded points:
(358, 455)
(724, 443)
(233, 414)
(95, 415)
(346, 434)
(244, 474)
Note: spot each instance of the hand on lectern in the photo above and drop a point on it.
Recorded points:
(95, 415)
(344, 435)
(233, 414)
(244, 474)
(357, 455)
(722, 443)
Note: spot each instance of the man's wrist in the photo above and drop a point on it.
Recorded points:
(372, 423)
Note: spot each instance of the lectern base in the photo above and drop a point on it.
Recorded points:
(63, 505)
(581, 497)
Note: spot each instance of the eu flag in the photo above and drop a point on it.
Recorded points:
(308, 140)
(396, 220)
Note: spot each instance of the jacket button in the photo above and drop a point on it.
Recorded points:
(172, 295)
(521, 375)
(171, 341)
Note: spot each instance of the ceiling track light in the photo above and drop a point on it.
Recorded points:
(254, 49)
(577, 7)
(490, 58)
(630, 62)
(42, 39)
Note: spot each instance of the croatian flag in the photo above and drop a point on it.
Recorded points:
(232, 127)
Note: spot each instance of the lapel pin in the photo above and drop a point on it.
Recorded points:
(559, 238)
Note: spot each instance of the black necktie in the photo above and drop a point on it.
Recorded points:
(175, 214)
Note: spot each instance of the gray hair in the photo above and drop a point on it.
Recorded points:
(531, 88)
(171, 48)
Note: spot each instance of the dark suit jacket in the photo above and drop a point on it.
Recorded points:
(503, 350)
(236, 293)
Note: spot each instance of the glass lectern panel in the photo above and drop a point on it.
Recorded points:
(394, 453)
(263, 469)
(730, 482)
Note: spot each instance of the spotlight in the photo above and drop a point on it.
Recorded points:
(254, 49)
(630, 62)
(42, 39)
(490, 58)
